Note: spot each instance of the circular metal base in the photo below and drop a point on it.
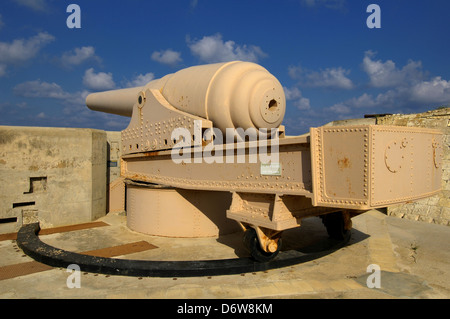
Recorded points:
(29, 241)
(172, 212)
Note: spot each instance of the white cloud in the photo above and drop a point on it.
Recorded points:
(299, 101)
(295, 72)
(332, 78)
(21, 50)
(329, 78)
(79, 56)
(302, 104)
(74, 112)
(428, 94)
(386, 74)
(41, 115)
(408, 90)
(168, 57)
(39, 89)
(98, 81)
(292, 94)
(364, 101)
(141, 80)
(340, 108)
(36, 5)
(212, 49)
(434, 91)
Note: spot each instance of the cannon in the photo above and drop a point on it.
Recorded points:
(205, 147)
(229, 95)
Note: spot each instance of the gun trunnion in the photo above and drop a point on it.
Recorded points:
(334, 172)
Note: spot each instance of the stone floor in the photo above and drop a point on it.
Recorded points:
(413, 259)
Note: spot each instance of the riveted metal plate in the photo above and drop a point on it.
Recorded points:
(364, 167)
(402, 163)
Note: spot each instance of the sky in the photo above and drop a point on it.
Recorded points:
(331, 64)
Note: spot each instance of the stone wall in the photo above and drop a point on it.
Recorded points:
(57, 176)
(435, 209)
(116, 185)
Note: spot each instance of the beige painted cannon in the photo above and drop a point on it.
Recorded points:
(230, 95)
(205, 145)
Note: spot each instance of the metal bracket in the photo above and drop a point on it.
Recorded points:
(153, 122)
(267, 238)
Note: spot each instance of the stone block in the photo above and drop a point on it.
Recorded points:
(57, 175)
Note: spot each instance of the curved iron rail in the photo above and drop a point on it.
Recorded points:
(29, 241)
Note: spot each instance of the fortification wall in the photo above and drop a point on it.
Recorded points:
(57, 176)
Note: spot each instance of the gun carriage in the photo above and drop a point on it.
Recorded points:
(213, 134)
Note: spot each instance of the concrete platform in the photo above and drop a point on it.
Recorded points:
(413, 258)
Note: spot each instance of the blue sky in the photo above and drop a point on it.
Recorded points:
(330, 63)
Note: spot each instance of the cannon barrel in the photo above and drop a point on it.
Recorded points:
(231, 95)
(118, 102)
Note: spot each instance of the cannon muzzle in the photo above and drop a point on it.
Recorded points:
(118, 102)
